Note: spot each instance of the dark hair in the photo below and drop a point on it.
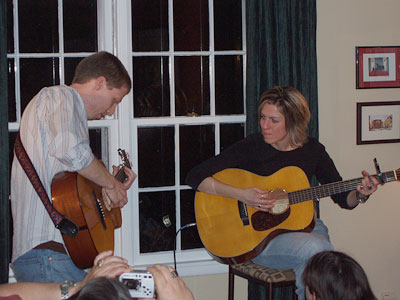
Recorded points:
(333, 275)
(103, 64)
(292, 104)
(103, 288)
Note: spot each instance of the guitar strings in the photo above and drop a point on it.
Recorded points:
(325, 190)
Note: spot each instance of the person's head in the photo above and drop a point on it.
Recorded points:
(103, 288)
(102, 81)
(333, 275)
(103, 64)
(283, 116)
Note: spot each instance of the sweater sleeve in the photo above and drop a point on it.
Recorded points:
(232, 157)
(326, 172)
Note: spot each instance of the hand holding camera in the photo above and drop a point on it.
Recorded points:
(159, 278)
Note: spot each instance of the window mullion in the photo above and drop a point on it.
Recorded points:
(61, 41)
(17, 63)
(171, 56)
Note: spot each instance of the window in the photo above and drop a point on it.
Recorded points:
(46, 39)
(187, 62)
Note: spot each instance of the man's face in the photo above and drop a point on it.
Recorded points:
(105, 102)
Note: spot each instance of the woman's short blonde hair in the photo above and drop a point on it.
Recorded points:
(292, 104)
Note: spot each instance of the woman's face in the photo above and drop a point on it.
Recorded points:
(309, 296)
(273, 126)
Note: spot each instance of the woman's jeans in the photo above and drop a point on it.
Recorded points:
(293, 250)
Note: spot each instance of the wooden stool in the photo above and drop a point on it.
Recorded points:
(271, 278)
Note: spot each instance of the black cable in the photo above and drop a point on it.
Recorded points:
(176, 234)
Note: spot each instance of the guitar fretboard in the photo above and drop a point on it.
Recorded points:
(333, 188)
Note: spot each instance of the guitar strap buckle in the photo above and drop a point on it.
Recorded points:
(68, 227)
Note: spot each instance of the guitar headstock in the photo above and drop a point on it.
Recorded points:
(125, 158)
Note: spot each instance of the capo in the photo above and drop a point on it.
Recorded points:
(378, 172)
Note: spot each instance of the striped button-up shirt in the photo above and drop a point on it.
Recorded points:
(55, 134)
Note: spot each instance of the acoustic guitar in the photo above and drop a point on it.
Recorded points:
(86, 204)
(233, 232)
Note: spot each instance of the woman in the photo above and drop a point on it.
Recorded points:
(332, 275)
(283, 117)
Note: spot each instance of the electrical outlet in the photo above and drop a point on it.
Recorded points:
(389, 295)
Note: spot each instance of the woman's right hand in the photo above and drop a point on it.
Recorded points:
(257, 198)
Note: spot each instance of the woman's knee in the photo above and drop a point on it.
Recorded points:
(319, 245)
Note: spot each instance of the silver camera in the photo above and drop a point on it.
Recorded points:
(140, 283)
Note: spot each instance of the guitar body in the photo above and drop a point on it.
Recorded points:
(80, 200)
(227, 237)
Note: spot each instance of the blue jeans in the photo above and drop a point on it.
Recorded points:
(42, 265)
(292, 251)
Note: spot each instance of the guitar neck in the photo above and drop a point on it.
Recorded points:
(333, 188)
(121, 176)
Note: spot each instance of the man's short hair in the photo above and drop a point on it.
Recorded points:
(102, 64)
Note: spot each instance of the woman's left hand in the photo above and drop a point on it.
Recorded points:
(368, 185)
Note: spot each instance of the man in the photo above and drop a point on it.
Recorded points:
(54, 132)
(168, 285)
(112, 267)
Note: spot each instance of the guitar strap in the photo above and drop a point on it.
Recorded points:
(62, 223)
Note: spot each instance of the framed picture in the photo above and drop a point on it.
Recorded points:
(378, 122)
(378, 67)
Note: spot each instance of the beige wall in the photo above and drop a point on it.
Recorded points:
(370, 232)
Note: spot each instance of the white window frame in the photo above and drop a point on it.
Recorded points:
(189, 262)
(114, 35)
(106, 41)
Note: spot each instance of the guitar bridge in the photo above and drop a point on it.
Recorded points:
(100, 210)
(243, 213)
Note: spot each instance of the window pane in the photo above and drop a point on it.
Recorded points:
(157, 221)
(230, 133)
(70, 66)
(31, 82)
(96, 142)
(38, 26)
(156, 156)
(191, 25)
(151, 87)
(149, 25)
(196, 145)
(228, 85)
(228, 26)
(190, 238)
(12, 105)
(192, 85)
(80, 25)
(10, 27)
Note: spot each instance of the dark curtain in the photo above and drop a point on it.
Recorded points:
(4, 160)
(281, 50)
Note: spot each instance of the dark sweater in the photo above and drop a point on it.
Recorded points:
(254, 155)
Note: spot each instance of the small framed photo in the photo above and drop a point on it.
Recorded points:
(377, 67)
(378, 122)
